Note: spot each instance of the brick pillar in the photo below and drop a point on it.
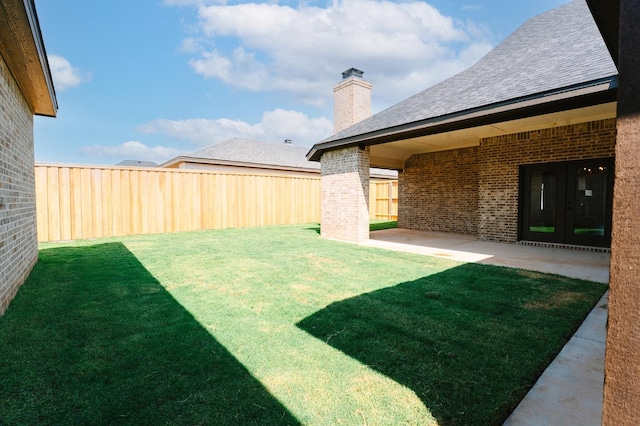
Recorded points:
(345, 194)
(622, 365)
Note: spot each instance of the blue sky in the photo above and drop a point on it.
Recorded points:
(153, 79)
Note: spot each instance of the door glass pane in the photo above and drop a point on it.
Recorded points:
(590, 200)
(542, 215)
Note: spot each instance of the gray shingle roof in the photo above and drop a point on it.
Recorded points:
(554, 50)
(250, 152)
(257, 152)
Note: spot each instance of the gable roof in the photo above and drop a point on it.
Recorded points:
(558, 53)
(252, 153)
(260, 154)
(257, 152)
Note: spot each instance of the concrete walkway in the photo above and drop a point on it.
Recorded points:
(570, 391)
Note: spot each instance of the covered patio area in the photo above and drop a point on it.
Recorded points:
(583, 263)
(508, 153)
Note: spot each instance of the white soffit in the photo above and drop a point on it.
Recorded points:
(393, 154)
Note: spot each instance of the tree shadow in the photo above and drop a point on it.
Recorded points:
(469, 341)
(93, 338)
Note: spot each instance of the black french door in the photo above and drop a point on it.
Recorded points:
(567, 203)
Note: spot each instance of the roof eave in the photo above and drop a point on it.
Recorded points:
(22, 48)
(586, 94)
(172, 161)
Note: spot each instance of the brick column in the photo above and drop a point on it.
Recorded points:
(622, 365)
(345, 194)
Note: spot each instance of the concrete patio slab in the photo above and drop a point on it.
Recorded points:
(588, 265)
(570, 391)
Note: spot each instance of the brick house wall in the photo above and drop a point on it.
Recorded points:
(501, 156)
(439, 192)
(437, 189)
(344, 212)
(18, 240)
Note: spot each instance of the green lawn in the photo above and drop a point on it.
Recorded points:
(275, 326)
(377, 224)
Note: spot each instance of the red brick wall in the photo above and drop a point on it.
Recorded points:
(500, 157)
(439, 192)
(475, 190)
(18, 241)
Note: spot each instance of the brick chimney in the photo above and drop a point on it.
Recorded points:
(351, 100)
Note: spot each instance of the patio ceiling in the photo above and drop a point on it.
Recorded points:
(393, 154)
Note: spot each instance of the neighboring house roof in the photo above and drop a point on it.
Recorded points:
(137, 163)
(552, 56)
(260, 154)
(22, 48)
(256, 153)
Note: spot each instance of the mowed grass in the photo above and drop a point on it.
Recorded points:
(275, 326)
(378, 224)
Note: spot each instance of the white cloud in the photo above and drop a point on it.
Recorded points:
(202, 131)
(302, 130)
(190, 45)
(269, 46)
(132, 150)
(64, 74)
(275, 126)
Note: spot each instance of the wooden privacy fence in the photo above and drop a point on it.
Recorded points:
(79, 202)
(75, 202)
(383, 200)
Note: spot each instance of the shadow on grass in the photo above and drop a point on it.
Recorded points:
(469, 341)
(314, 228)
(93, 338)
